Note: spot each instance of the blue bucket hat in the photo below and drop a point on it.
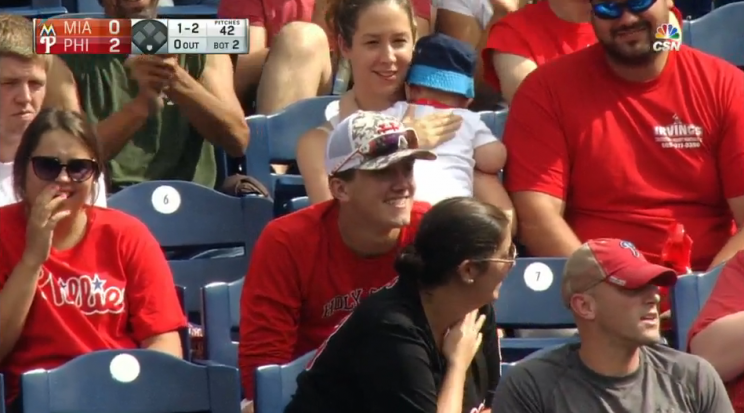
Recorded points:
(443, 63)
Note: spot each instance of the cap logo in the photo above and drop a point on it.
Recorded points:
(387, 127)
(629, 246)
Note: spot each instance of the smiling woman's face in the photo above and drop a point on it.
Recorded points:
(382, 47)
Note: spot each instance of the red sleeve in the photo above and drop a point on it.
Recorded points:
(269, 306)
(726, 297)
(12, 239)
(253, 10)
(503, 38)
(151, 295)
(422, 9)
(537, 153)
(731, 148)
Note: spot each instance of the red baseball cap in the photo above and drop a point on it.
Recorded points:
(617, 262)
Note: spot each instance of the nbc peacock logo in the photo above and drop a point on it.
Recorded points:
(668, 37)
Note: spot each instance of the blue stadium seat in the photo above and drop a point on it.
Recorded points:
(184, 332)
(495, 121)
(131, 381)
(194, 217)
(275, 385)
(2, 394)
(719, 33)
(505, 368)
(33, 12)
(295, 204)
(687, 299)
(221, 320)
(530, 298)
(90, 15)
(274, 140)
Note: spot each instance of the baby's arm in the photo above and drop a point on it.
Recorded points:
(488, 152)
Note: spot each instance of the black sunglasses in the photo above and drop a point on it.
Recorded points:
(48, 168)
(609, 10)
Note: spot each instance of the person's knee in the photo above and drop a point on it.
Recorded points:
(301, 39)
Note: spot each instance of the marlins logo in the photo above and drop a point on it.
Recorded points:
(47, 37)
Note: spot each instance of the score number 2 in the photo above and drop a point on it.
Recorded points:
(114, 29)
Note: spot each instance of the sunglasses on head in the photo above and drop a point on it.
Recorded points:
(380, 146)
(609, 10)
(48, 168)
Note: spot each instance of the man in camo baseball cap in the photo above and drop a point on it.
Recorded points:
(371, 141)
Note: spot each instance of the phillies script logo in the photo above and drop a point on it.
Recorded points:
(47, 37)
(89, 294)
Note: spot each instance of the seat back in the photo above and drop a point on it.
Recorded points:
(275, 385)
(184, 215)
(34, 11)
(82, 15)
(184, 332)
(530, 296)
(719, 33)
(496, 121)
(220, 320)
(687, 299)
(295, 204)
(274, 137)
(118, 381)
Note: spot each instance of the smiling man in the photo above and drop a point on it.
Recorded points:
(661, 144)
(310, 269)
(620, 364)
(23, 81)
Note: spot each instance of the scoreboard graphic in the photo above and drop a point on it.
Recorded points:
(136, 36)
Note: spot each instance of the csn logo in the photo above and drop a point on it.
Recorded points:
(668, 38)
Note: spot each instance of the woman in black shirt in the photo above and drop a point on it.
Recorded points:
(429, 343)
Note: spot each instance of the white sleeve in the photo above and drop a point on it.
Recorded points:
(397, 110)
(465, 7)
(101, 195)
(481, 133)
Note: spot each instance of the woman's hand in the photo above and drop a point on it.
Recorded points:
(434, 129)
(463, 340)
(42, 219)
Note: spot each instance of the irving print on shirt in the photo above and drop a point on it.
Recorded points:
(91, 294)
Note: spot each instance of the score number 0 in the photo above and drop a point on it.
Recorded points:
(114, 29)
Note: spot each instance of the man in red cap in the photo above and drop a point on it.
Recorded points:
(620, 364)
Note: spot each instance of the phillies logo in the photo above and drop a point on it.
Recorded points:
(89, 294)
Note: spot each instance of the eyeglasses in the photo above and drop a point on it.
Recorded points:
(609, 10)
(380, 146)
(48, 168)
(511, 260)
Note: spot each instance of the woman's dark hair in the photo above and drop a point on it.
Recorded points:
(50, 120)
(454, 230)
(342, 16)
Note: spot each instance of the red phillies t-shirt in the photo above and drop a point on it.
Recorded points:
(631, 158)
(535, 33)
(302, 281)
(273, 14)
(113, 290)
(726, 298)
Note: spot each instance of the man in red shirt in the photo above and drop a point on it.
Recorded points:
(617, 140)
(718, 333)
(309, 269)
(299, 66)
(535, 35)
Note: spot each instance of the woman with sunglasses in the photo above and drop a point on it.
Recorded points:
(75, 278)
(428, 343)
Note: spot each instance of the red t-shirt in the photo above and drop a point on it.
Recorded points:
(302, 281)
(273, 15)
(536, 33)
(725, 299)
(631, 158)
(113, 290)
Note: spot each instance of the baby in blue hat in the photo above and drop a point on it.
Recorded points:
(440, 78)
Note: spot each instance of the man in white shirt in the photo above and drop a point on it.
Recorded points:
(22, 89)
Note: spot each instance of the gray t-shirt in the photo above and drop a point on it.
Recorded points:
(668, 381)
